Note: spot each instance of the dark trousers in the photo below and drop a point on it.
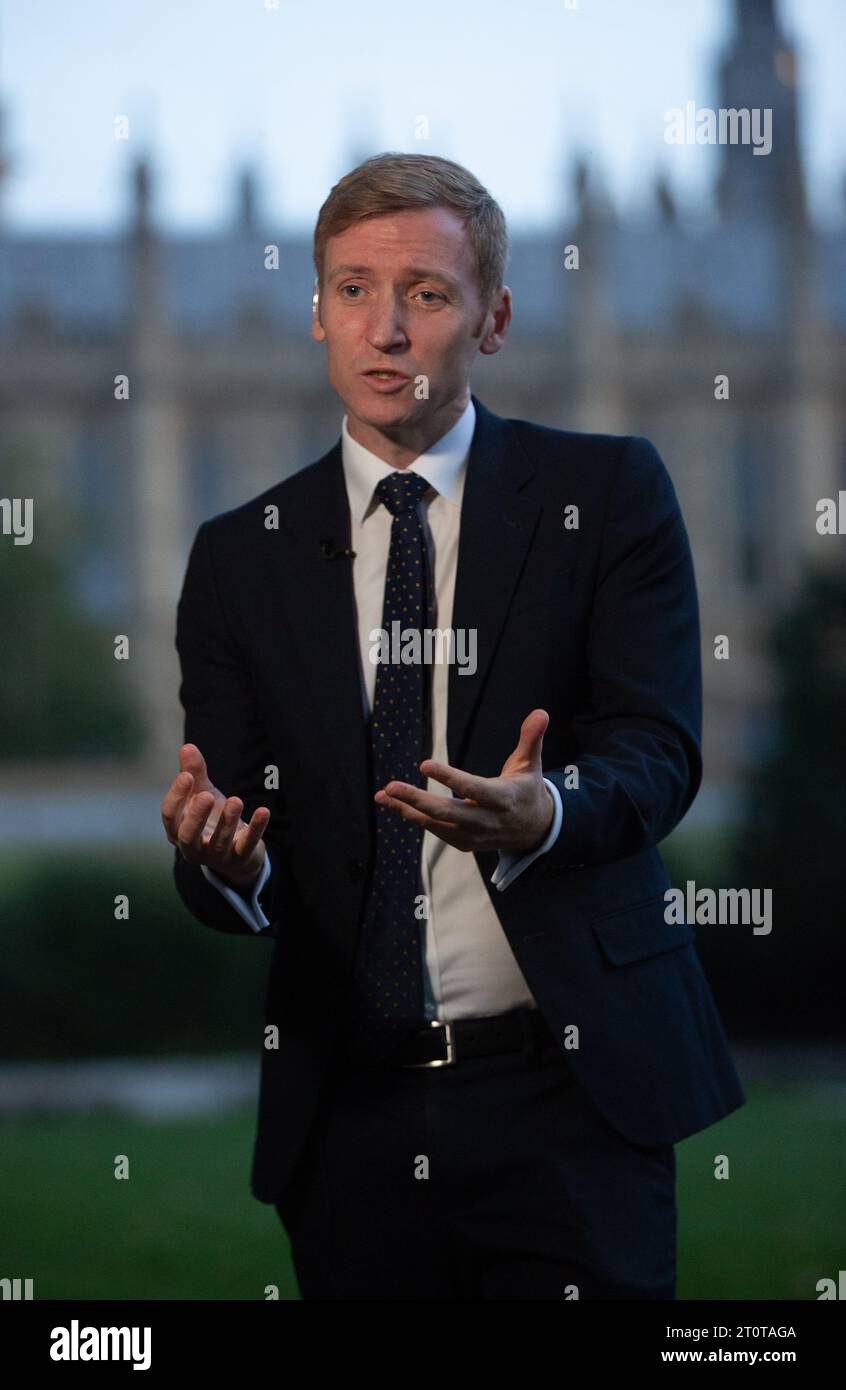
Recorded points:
(495, 1178)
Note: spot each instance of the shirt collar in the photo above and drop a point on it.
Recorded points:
(443, 465)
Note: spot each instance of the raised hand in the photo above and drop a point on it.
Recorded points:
(511, 812)
(206, 826)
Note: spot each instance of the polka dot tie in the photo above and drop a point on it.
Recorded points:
(387, 988)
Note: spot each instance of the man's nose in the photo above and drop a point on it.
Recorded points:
(386, 323)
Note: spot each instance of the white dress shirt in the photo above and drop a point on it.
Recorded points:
(470, 968)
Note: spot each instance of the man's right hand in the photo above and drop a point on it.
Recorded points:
(206, 826)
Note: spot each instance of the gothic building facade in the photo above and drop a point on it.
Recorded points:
(227, 391)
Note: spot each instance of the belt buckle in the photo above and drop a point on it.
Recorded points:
(450, 1058)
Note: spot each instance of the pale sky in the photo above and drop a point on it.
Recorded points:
(513, 91)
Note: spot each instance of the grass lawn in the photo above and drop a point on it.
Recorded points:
(186, 1226)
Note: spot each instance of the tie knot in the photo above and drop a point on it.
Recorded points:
(400, 492)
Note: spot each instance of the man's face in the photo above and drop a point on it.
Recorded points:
(399, 293)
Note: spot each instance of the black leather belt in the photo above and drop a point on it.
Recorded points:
(441, 1044)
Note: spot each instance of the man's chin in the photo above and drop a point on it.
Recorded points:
(394, 407)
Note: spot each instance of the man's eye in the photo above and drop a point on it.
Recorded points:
(434, 296)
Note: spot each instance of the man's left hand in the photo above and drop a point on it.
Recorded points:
(511, 812)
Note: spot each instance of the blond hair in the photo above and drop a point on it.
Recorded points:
(393, 182)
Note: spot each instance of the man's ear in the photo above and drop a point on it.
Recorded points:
(500, 308)
(317, 330)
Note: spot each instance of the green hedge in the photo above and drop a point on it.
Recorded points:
(76, 982)
(785, 986)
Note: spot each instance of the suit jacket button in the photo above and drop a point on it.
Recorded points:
(355, 869)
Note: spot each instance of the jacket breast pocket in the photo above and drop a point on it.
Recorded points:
(638, 932)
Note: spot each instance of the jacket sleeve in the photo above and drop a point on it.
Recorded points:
(223, 719)
(639, 729)
(512, 865)
(247, 903)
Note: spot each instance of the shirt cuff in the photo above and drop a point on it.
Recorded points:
(253, 916)
(512, 864)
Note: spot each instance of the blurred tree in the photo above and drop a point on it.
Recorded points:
(61, 691)
(81, 983)
(793, 833)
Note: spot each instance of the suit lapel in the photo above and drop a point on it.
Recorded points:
(499, 513)
(320, 603)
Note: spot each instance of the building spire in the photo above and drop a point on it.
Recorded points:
(247, 198)
(5, 162)
(760, 72)
(142, 181)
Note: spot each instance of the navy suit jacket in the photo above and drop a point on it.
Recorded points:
(597, 624)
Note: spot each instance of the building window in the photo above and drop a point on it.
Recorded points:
(749, 507)
(101, 577)
(204, 497)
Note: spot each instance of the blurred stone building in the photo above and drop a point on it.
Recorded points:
(228, 391)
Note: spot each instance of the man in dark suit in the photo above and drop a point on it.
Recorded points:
(442, 698)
